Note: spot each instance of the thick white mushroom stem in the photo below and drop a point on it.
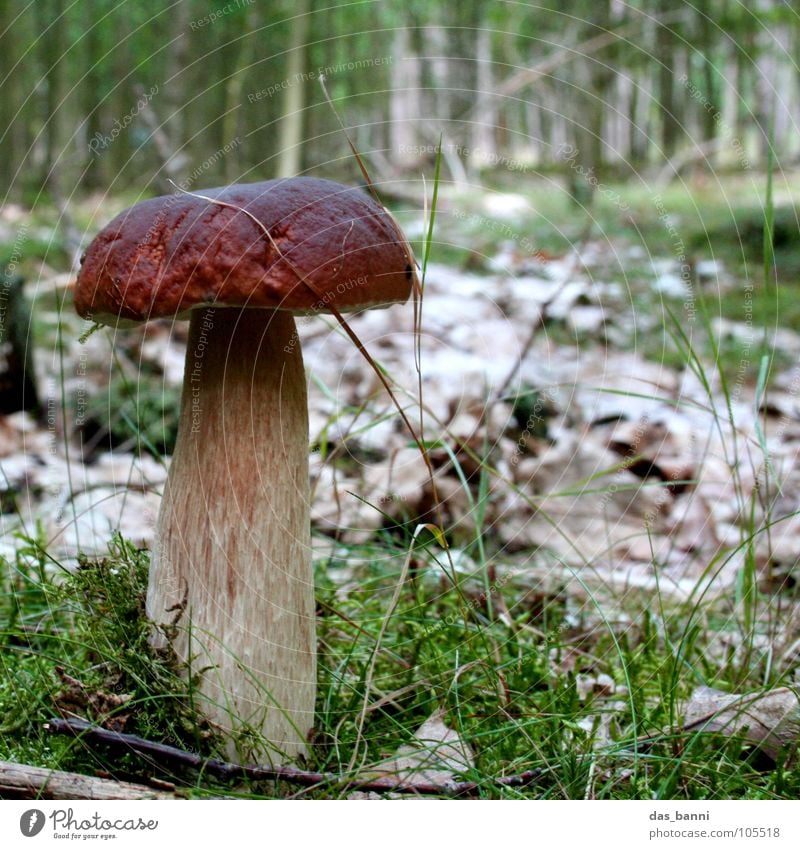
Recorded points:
(231, 568)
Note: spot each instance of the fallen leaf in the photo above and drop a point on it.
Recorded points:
(437, 756)
(601, 685)
(770, 720)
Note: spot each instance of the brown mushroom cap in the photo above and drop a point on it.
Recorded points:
(337, 248)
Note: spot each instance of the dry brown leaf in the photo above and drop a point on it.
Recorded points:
(601, 685)
(437, 756)
(770, 720)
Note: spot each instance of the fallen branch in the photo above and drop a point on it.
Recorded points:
(698, 151)
(20, 781)
(158, 753)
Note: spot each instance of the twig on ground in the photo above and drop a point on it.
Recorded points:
(544, 313)
(160, 753)
(20, 781)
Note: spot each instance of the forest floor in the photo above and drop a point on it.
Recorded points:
(609, 399)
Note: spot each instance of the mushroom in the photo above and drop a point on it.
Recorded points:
(231, 584)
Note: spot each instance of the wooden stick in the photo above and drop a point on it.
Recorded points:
(20, 781)
(160, 753)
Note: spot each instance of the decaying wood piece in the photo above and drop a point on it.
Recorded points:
(20, 781)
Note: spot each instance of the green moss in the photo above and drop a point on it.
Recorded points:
(142, 415)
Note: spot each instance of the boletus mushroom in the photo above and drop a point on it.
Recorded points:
(231, 584)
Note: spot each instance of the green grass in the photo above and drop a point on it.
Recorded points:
(508, 683)
(76, 642)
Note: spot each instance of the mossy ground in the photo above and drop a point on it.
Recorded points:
(531, 676)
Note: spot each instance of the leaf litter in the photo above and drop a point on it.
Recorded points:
(632, 473)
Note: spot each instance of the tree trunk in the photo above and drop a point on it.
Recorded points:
(52, 43)
(120, 102)
(9, 103)
(90, 92)
(176, 78)
(484, 150)
(743, 89)
(403, 101)
(710, 110)
(290, 134)
(666, 47)
(233, 92)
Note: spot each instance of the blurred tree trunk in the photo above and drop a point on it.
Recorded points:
(766, 100)
(710, 110)
(290, 133)
(176, 90)
(10, 123)
(665, 54)
(52, 43)
(602, 74)
(89, 100)
(782, 79)
(484, 149)
(794, 149)
(645, 122)
(120, 102)
(742, 83)
(231, 121)
(616, 136)
(438, 42)
(590, 97)
(404, 101)
(531, 129)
